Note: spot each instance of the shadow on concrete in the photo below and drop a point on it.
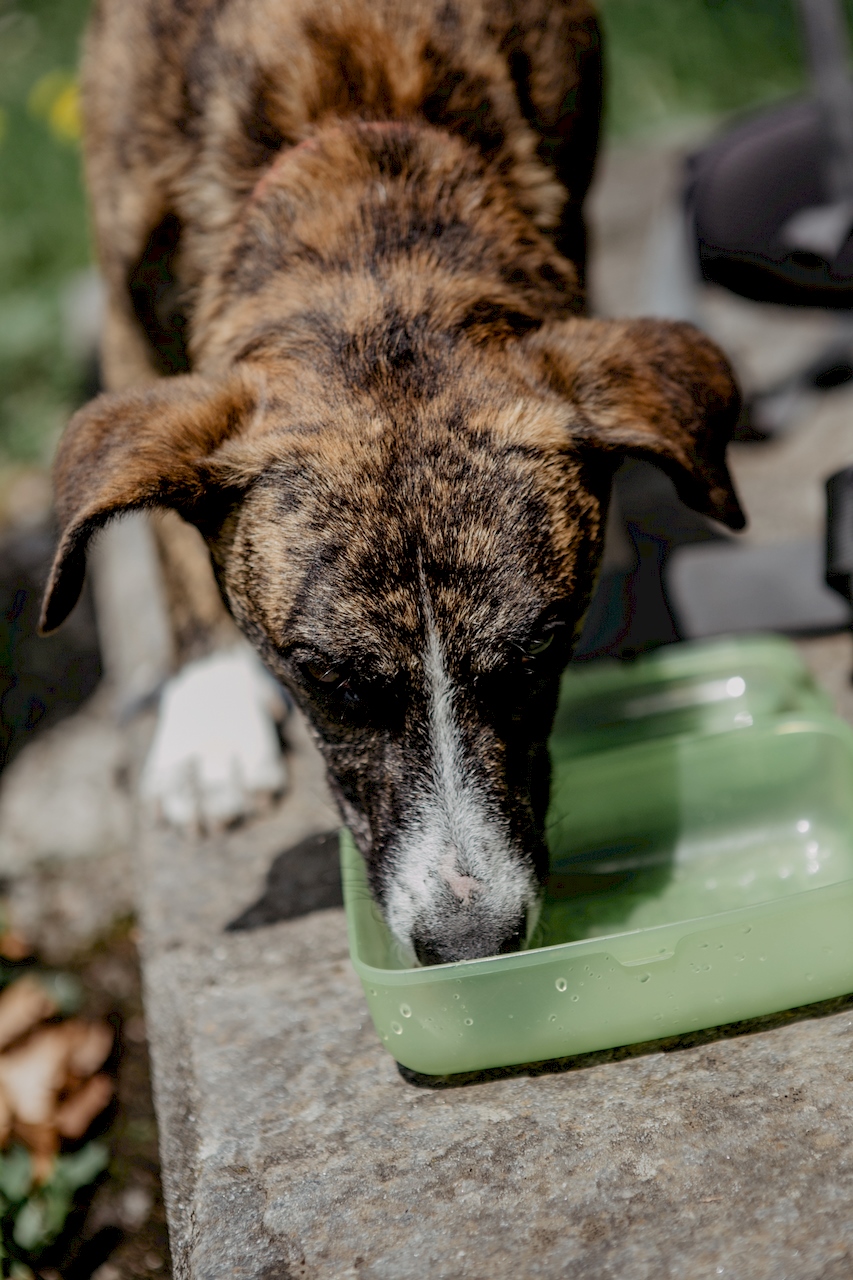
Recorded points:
(671, 1044)
(302, 879)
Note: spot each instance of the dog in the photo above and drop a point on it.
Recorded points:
(343, 246)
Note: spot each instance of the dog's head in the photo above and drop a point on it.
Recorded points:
(413, 557)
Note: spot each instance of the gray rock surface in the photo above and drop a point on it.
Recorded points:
(67, 825)
(67, 795)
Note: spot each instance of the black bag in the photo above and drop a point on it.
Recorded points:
(772, 200)
(744, 191)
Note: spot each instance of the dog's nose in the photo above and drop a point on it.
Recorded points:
(457, 940)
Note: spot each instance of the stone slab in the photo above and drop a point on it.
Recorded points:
(292, 1146)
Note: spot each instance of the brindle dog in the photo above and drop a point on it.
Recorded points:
(343, 246)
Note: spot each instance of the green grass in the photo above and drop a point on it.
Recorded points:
(43, 232)
(667, 60)
(671, 59)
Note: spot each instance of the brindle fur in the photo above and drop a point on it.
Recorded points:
(351, 232)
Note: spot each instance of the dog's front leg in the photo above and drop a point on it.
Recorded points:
(216, 756)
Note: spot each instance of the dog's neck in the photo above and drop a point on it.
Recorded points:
(386, 216)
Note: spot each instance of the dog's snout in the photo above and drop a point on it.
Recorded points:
(468, 940)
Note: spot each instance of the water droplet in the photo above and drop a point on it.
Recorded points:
(748, 929)
(456, 995)
(553, 1017)
(405, 1010)
(705, 968)
(644, 977)
(561, 984)
(736, 687)
(575, 999)
(396, 1028)
(703, 946)
(373, 991)
(469, 1022)
(803, 826)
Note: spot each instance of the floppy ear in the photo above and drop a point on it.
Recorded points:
(126, 451)
(654, 389)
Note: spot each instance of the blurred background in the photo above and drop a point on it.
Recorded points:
(678, 72)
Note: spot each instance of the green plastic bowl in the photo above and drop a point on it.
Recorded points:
(701, 837)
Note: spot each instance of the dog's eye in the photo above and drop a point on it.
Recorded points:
(540, 645)
(334, 687)
(339, 697)
(535, 650)
(321, 674)
(539, 653)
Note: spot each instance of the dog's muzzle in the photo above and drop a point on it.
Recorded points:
(468, 936)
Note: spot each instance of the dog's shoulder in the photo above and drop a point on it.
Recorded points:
(231, 82)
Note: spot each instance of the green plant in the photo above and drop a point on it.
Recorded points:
(32, 1216)
(43, 233)
(675, 58)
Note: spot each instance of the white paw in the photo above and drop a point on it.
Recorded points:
(216, 755)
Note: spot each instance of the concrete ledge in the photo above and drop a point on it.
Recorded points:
(293, 1146)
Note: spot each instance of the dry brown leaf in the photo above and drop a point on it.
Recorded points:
(23, 1004)
(5, 1120)
(52, 1061)
(13, 946)
(77, 1112)
(33, 1073)
(90, 1045)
